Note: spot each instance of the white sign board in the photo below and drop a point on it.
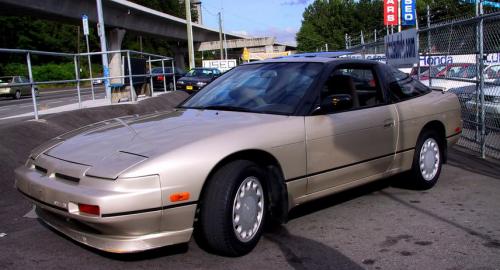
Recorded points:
(401, 49)
(222, 65)
(85, 22)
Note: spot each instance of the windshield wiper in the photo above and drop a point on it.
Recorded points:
(226, 108)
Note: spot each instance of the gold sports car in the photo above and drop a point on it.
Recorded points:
(256, 142)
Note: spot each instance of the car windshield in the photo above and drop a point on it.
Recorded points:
(158, 70)
(6, 79)
(467, 72)
(200, 73)
(262, 88)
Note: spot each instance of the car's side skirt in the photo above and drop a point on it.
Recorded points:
(298, 187)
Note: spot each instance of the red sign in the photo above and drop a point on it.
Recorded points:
(391, 15)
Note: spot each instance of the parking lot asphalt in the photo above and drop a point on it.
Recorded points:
(455, 225)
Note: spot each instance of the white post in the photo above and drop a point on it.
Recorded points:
(164, 76)
(33, 94)
(220, 37)
(189, 33)
(77, 77)
(173, 75)
(151, 76)
(399, 15)
(104, 49)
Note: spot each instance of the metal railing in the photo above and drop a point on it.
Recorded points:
(463, 57)
(126, 72)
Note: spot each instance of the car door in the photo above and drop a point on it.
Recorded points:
(26, 89)
(353, 143)
(17, 80)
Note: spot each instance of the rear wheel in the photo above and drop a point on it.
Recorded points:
(427, 161)
(232, 210)
(17, 95)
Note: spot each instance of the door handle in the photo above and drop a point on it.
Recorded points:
(388, 123)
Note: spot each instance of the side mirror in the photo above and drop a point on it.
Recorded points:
(336, 103)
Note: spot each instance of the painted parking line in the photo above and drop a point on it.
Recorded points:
(55, 102)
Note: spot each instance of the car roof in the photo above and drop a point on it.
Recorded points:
(314, 59)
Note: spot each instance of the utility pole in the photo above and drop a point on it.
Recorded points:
(104, 49)
(220, 37)
(346, 43)
(326, 46)
(189, 33)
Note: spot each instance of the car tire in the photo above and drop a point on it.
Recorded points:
(17, 95)
(427, 160)
(233, 209)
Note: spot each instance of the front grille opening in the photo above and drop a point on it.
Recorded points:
(67, 177)
(40, 169)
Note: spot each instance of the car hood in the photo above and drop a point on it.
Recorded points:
(195, 79)
(123, 142)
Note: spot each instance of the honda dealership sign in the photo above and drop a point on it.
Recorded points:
(401, 49)
(391, 14)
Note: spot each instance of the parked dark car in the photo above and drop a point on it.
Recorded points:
(197, 78)
(165, 78)
(8, 87)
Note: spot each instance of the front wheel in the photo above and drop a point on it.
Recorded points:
(427, 161)
(233, 209)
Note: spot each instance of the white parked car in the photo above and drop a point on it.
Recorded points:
(491, 106)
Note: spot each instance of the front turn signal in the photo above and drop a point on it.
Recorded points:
(180, 196)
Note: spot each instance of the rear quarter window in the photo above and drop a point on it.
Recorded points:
(402, 86)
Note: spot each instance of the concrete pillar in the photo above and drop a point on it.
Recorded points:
(269, 48)
(180, 53)
(179, 58)
(115, 39)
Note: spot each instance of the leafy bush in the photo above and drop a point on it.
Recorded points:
(50, 71)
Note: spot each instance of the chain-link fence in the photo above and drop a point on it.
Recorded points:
(130, 74)
(463, 57)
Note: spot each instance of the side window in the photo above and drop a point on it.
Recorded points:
(358, 84)
(402, 86)
(17, 79)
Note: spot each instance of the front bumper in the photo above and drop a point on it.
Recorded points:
(133, 217)
(111, 243)
(188, 87)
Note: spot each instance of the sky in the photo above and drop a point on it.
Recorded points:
(278, 18)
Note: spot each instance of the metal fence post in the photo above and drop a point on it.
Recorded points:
(132, 90)
(150, 76)
(481, 80)
(173, 75)
(33, 94)
(429, 60)
(164, 77)
(77, 78)
(90, 66)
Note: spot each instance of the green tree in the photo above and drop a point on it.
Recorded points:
(329, 21)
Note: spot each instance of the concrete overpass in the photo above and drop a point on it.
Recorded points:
(117, 14)
(121, 16)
